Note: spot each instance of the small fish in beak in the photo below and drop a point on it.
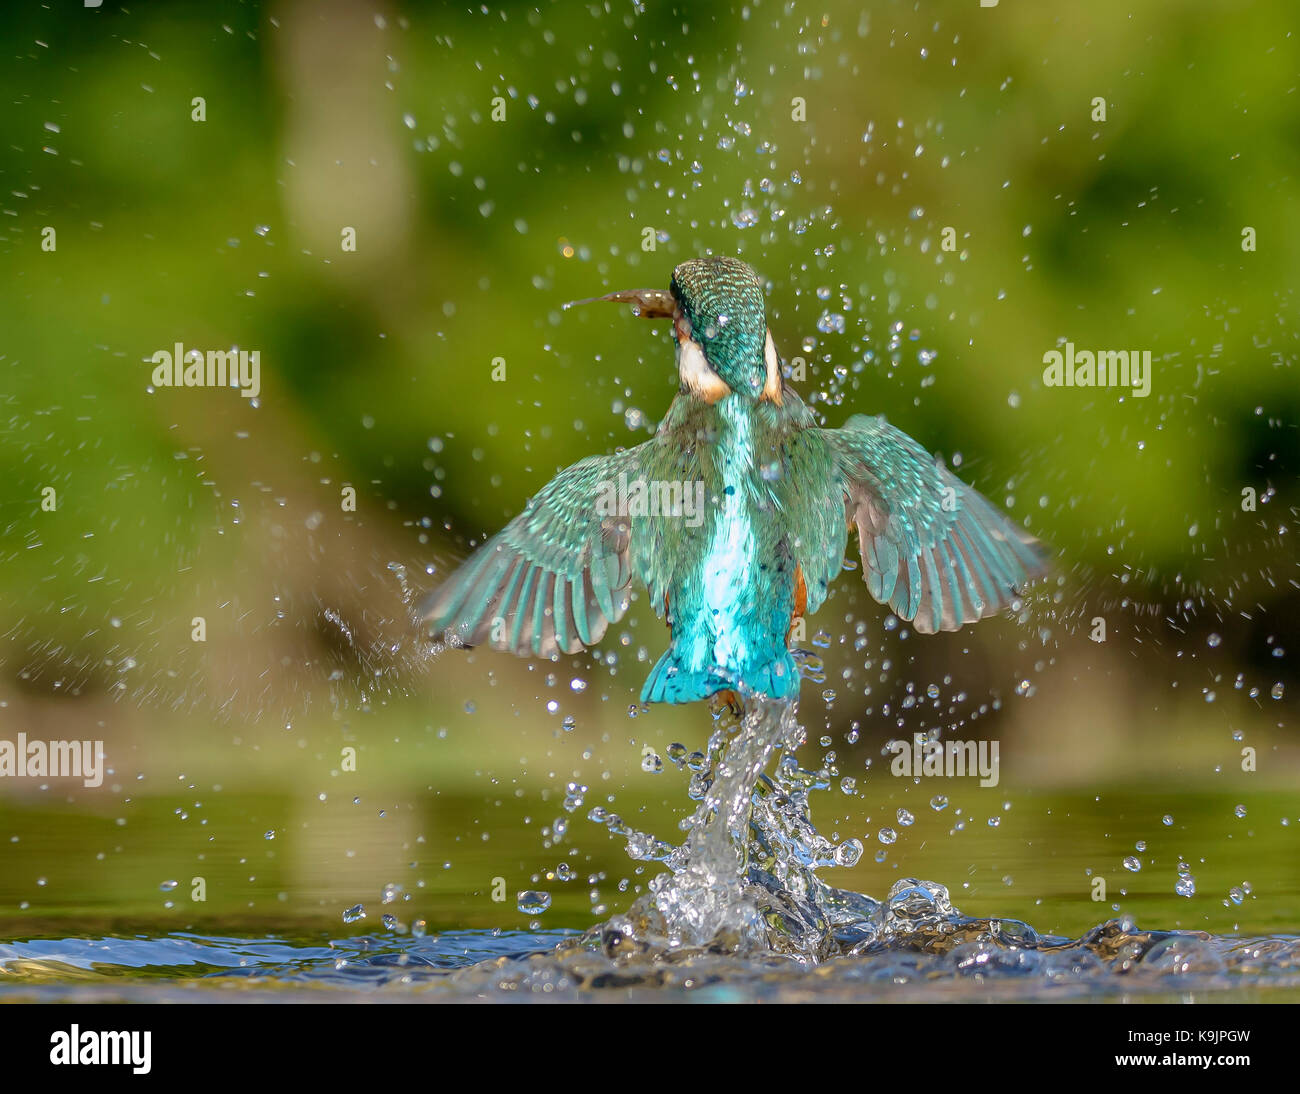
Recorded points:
(647, 303)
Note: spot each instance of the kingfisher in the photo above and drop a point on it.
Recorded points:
(735, 518)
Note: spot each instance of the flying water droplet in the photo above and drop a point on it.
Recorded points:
(848, 853)
(534, 902)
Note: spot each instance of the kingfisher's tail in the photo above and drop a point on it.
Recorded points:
(670, 682)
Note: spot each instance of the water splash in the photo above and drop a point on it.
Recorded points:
(744, 881)
(715, 892)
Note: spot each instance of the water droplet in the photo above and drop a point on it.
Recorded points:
(573, 796)
(534, 901)
(848, 853)
(356, 912)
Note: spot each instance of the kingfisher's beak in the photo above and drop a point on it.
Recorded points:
(647, 303)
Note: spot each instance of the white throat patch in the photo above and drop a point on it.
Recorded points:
(772, 389)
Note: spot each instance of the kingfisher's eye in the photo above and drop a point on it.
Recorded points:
(723, 320)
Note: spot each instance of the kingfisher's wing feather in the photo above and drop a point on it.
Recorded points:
(933, 549)
(555, 578)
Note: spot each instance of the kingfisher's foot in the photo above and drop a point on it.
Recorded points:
(726, 702)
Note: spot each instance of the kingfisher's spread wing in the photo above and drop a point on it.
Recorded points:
(933, 549)
(554, 578)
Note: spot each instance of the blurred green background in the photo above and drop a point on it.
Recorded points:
(227, 756)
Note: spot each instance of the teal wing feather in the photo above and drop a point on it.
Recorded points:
(553, 579)
(934, 549)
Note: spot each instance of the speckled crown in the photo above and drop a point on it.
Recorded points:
(723, 299)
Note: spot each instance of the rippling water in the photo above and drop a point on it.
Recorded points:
(927, 954)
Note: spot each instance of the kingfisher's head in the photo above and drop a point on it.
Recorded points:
(719, 322)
